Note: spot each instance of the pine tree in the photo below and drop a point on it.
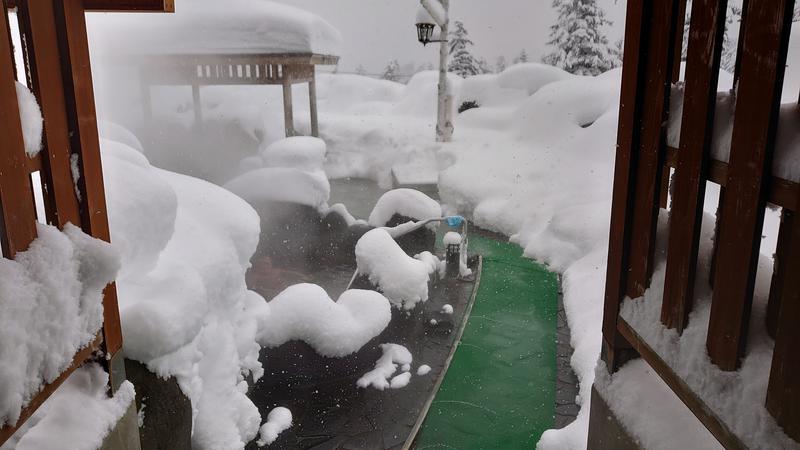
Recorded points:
(392, 71)
(483, 66)
(522, 57)
(360, 70)
(462, 62)
(500, 65)
(579, 43)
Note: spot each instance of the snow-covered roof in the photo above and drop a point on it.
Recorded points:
(217, 27)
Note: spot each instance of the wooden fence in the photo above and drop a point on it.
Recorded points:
(57, 69)
(653, 38)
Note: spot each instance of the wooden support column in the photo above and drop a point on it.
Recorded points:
(76, 70)
(288, 114)
(780, 271)
(765, 46)
(661, 28)
(18, 218)
(615, 350)
(312, 96)
(198, 105)
(783, 394)
(686, 218)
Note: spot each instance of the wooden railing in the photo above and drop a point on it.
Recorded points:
(57, 69)
(653, 37)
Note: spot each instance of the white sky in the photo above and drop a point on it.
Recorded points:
(377, 31)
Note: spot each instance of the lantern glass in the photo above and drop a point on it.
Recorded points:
(425, 32)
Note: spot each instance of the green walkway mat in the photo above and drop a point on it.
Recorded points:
(499, 391)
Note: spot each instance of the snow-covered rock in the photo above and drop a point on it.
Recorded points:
(278, 421)
(405, 202)
(283, 185)
(298, 152)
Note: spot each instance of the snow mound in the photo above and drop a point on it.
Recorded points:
(305, 312)
(282, 185)
(116, 132)
(278, 421)
(51, 302)
(60, 424)
(434, 264)
(423, 370)
(447, 309)
(31, 116)
(394, 355)
(530, 77)
(451, 238)
(209, 26)
(401, 278)
(405, 202)
(300, 152)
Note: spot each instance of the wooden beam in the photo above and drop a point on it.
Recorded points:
(765, 47)
(703, 413)
(312, 97)
(782, 262)
(18, 218)
(655, 95)
(119, 5)
(686, 215)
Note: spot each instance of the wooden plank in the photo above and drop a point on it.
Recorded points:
(615, 351)
(704, 414)
(783, 393)
(18, 218)
(120, 5)
(686, 216)
(783, 193)
(779, 271)
(759, 93)
(36, 25)
(652, 147)
(76, 69)
(82, 356)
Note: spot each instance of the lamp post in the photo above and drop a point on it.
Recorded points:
(431, 14)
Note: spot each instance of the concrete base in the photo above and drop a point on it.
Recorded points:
(605, 430)
(125, 435)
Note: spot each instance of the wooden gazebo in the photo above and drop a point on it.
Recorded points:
(219, 69)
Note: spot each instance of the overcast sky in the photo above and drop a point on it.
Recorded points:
(377, 31)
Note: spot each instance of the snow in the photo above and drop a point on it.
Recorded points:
(435, 265)
(447, 309)
(282, 185)
(405, 202)
(423, 370)
(75, 171)
(278, 421)
(305, 312)
(401, 278)
(51, 298)
(60, 423)
(385, 367)
(300, 152)
(451, 238)
(431, 11)
(211, 27)
(530, 77)
(185, 309)
(786, 162)
(31, 117)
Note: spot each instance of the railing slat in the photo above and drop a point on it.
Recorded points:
(766, 34)
(18, 219)
(686, 217)
(652, 148)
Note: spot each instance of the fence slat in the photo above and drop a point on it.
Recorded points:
(44, 63)
(766, 33)
(778, 285)
(18, 219)
(615, 350)
(686, 217)
(783, 394)
(76, 69)
(652, 147)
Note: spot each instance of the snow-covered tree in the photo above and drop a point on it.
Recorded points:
(392, 71)
(796, 16)
(579, 43)
(501, 64)
(483, 66)
(522, 57)
(360, 70)
(461, 60)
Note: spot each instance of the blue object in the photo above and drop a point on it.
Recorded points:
(454, 221)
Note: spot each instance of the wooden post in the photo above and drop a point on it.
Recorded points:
(766, 40)
(288, 115)
(686, 218)
(779, 271)
(312, 97)
(198, 105)
(18, 219)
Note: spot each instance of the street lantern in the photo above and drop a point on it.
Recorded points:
(425, 32)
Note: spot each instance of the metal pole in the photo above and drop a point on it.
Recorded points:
(444, 122)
